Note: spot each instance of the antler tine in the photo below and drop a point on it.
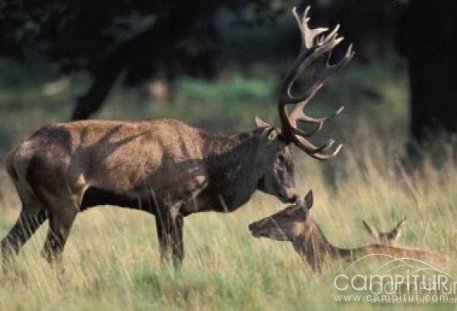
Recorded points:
(316, 46)
(299, 108)
(322, 73)
(310, 120)
(308, 35)
(298, 114)
(323, 157)
(308, 44)
(317, 152)
(303, 61)
(320, 156)
(315, 130)
(328, 69)
(303, 143)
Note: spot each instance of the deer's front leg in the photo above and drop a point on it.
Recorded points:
(177, 242)
(170, 234)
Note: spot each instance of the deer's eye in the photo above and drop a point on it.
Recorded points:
(272, 135)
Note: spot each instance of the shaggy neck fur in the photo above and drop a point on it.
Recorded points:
(232, 168)
(312, 245)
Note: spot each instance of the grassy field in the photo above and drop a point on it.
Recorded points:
(112, 255)
(113, 262)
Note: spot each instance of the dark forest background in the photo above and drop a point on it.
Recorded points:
(218, 63)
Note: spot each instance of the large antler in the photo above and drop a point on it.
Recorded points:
(316, 49)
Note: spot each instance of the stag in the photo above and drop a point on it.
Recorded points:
(292, 224)
(166, 167)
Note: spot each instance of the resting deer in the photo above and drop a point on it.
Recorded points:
(292, 224)
(385, 238)
(166, 167)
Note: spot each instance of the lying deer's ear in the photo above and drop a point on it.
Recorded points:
(309, 199)
(371, 230)
(260, 123)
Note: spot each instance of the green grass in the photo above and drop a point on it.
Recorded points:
(112, 255)
(113, 261)
(376, 92)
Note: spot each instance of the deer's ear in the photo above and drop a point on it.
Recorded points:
(309, 200)
(260, 123)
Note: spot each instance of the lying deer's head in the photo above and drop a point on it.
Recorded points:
(385, 238)
(285, 224)
(316, 49)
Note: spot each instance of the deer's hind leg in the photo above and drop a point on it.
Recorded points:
(62, 213)
(32, 215)
(170, 235)
(169, 225)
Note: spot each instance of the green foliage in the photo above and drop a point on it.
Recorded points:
(377, 92)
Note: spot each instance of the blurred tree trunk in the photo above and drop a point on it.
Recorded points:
(425, 36)
(105, 76)
(159, 49)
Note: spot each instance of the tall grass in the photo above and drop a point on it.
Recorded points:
(113, 262)
(112, 255)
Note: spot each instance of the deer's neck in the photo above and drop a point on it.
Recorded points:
(231, 168)
(313, 246)
(225, 146)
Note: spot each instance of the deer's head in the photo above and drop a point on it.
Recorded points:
(316, 49)
(285, 224)
(275, 157)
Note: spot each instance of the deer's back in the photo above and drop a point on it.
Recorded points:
(401, 252)
(112, 154)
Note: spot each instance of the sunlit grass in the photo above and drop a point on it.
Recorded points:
(112, 255)
(113, 261)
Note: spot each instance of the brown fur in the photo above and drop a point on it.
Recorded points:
(164, 167)
(293, 224)
(314, 247)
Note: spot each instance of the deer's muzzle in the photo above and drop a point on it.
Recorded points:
(255, 229)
